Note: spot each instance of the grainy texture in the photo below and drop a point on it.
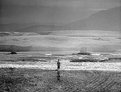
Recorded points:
(33, 80)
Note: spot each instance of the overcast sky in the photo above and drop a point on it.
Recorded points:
(46, 12)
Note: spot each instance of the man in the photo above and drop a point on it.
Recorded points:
(58, 72)
(58, 64)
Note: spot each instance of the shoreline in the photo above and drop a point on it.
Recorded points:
(99, 66)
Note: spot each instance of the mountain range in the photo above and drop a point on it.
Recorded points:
(103, 20)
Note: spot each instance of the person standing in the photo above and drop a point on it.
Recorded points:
(58, 70)
(58, 64)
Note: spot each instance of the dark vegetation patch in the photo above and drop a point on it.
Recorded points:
(13, 52)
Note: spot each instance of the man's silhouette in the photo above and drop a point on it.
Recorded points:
(58, 72)
(58, 64)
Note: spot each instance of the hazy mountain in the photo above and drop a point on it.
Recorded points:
(18, 34)
(41, 29)
(4, 34)
(29, 27)
(103, 20)
(8, 48)
(12, 27)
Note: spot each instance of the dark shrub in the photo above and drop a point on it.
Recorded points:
(13, 52)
